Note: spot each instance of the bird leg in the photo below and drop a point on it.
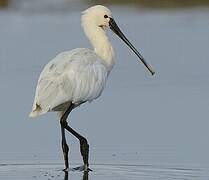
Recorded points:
(84, 148)
(65, 147)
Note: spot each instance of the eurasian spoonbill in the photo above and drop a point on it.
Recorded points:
(78, 76)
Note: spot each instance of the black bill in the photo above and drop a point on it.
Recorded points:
(114, 27)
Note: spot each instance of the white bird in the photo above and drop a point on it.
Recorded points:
(78, 76)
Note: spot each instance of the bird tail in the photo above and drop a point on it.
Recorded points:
(36, 111)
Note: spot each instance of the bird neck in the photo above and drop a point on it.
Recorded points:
(102, 46)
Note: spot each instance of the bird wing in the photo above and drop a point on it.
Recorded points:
(73, 76)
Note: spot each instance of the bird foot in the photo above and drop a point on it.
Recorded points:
(66, 170)
(82, 168)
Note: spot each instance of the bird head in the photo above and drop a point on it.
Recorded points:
(101, 18)
(97, 16)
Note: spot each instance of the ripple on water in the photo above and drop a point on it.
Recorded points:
(104, 171)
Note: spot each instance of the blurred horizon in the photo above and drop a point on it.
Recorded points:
(63, 5)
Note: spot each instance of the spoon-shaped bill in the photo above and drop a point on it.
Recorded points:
(114, 27)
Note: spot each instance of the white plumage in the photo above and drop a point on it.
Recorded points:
(77, 76)
(80, 75)
(73, 76)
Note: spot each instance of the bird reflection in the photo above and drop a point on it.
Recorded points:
(66, 176)
(85, 175)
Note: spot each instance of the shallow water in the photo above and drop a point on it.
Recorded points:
(102, 171)
(141, 127)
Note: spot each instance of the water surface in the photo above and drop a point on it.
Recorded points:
(141, 127)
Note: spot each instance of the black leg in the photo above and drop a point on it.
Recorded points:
(65, 147)
(84, 146)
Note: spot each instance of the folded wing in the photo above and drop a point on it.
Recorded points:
(71, 77)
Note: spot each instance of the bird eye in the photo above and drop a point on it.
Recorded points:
(105, 16)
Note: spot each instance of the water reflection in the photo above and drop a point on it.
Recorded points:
(85, 175)
(66, 176)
